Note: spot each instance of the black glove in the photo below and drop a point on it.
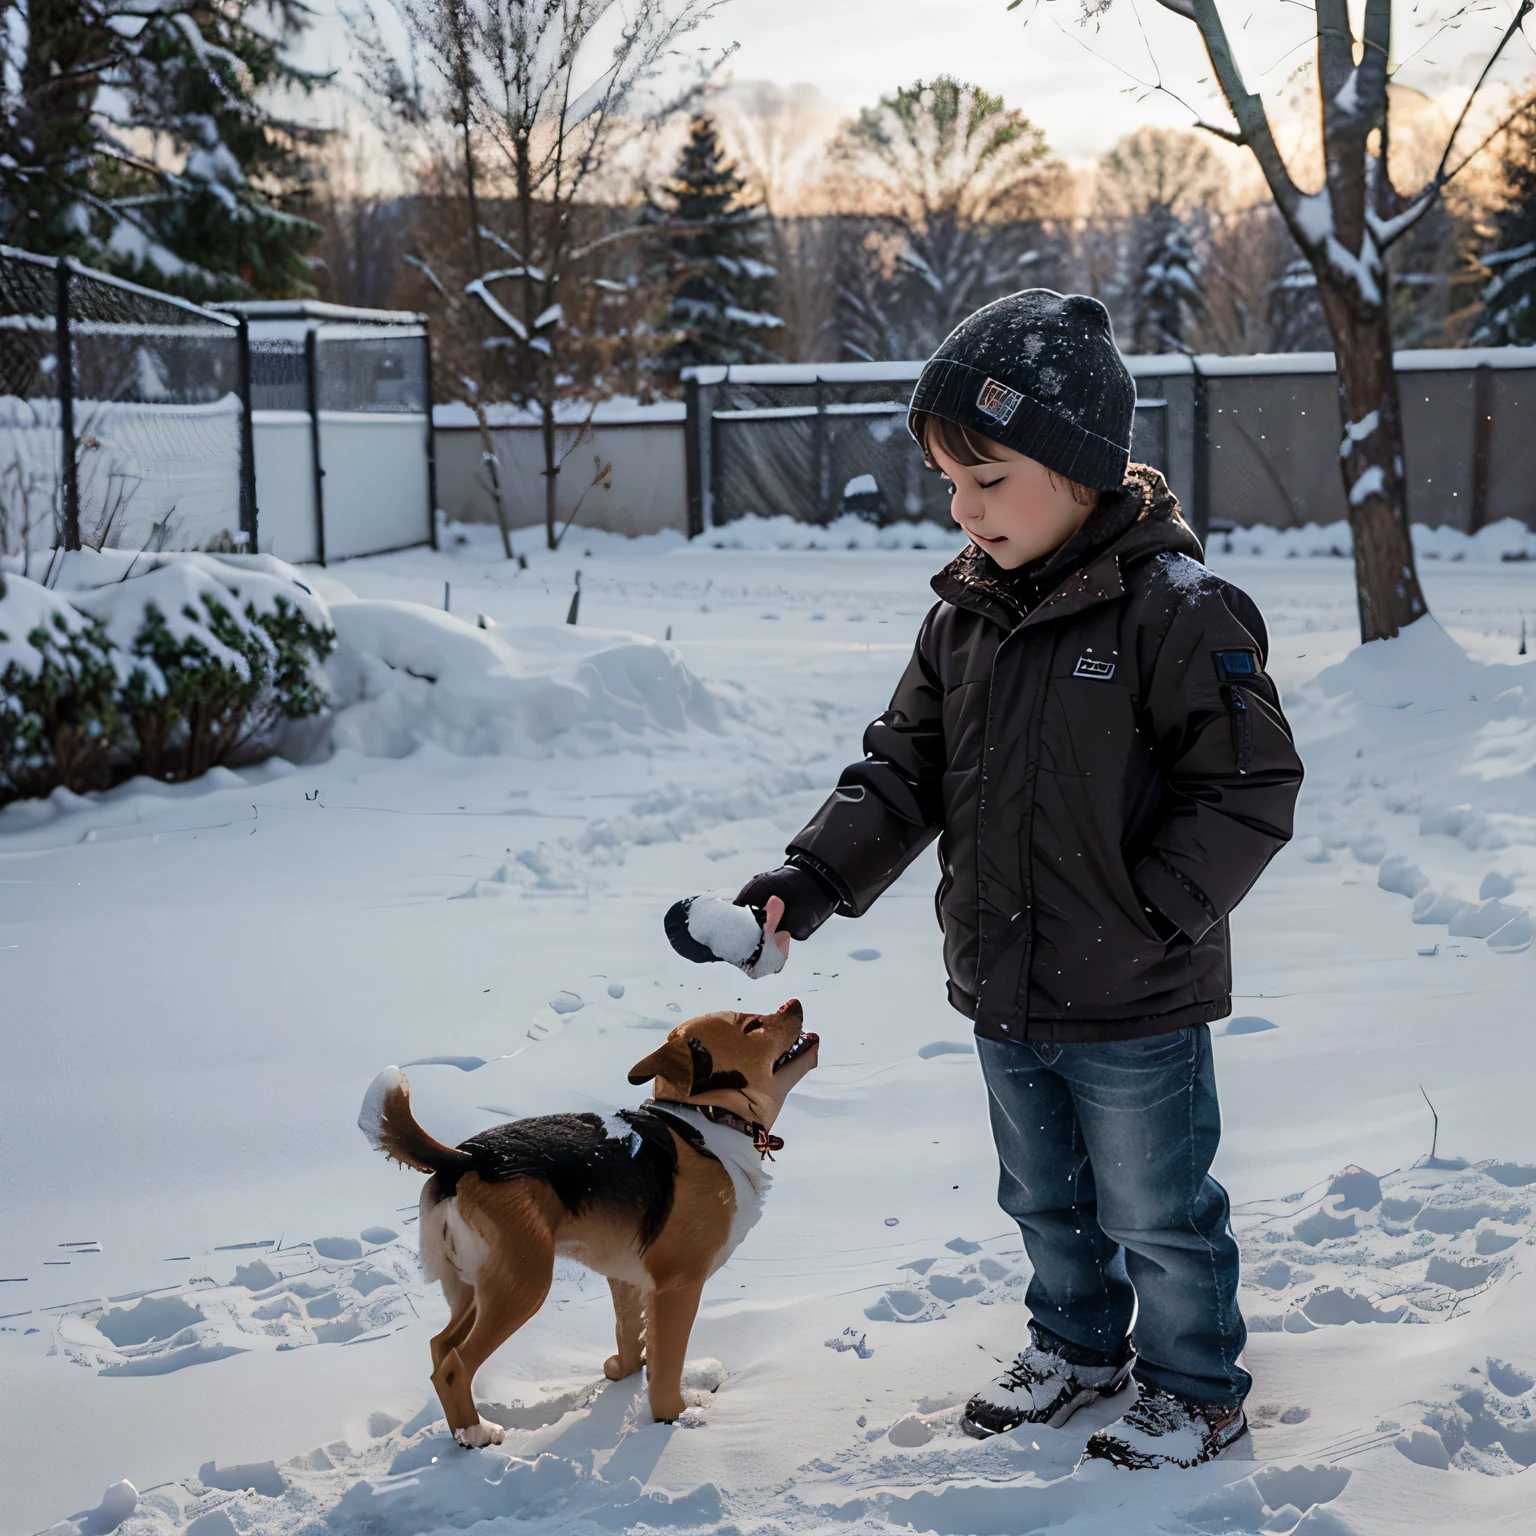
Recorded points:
(808, 900)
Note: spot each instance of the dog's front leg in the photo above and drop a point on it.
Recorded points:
(669, 1316)
(629, 1330)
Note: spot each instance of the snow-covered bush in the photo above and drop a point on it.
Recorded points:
(168, 669)
(215, 657)
(59, 684)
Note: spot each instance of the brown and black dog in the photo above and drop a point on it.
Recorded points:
(655, 1198)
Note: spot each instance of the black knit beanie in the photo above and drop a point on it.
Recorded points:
(1038, 372)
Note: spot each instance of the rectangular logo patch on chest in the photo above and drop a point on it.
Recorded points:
(1088, 667)
(998, 401)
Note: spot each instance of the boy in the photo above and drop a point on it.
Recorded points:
(1087, 728)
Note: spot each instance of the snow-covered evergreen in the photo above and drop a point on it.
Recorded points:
(1509, 299)
(1168, 284)
(142, 139)
(722, 287)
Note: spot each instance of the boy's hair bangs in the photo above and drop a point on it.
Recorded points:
(963, 444)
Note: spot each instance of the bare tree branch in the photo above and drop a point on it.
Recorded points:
(1516, 25)
(1252, 121)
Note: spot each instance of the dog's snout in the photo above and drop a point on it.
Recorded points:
(793, 1006)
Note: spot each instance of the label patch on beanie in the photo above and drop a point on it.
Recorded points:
(998, 401)
(1090, 666)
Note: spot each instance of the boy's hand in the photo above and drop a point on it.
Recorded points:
(804, 902)
(772, 913)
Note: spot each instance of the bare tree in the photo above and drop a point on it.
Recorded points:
(1344, 230)
(544, 118)
(952, 181)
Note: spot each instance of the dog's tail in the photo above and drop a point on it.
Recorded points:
(386, 1120)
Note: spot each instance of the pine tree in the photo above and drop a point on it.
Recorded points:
(721, 286)
(1167, 297)
(138, 139)
(1509, 299)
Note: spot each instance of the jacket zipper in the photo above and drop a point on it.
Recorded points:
(1242, 728)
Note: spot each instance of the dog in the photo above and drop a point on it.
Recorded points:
(655, 1198)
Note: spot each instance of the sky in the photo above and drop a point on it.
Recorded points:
(1086, 85)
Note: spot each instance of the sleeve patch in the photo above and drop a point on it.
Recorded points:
(1236, 666)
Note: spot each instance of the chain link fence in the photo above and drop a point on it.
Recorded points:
(815, 444)
(124, 415)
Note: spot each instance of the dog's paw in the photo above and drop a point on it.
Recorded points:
(481, 1434)
(613, 1368)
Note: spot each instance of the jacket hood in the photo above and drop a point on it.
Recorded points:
(1128, 526)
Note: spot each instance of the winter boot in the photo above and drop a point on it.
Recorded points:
(1161, 1430)
(1041, 1387)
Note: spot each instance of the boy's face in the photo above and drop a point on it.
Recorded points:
(1011, 506)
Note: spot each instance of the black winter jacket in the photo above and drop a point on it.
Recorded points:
(1106, 778)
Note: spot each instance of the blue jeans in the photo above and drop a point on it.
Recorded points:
(1105, 1152)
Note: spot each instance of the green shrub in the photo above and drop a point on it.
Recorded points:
(60, 720)
(168, 673)
(202, 689)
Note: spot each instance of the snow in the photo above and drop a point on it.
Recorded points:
(1370, 482)
(403, 675)
(620, 410)
(1140, 366)
(731, 932)
(24, 608)
(1506, 540)
(1314, 216)
(1358, 431)
(208, 976)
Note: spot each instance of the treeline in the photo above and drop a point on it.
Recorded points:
(598, 242)
(933, 202)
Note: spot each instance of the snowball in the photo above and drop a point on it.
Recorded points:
(730, 932)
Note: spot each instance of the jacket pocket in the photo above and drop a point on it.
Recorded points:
(1241, 715)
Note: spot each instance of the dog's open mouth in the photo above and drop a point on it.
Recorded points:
(806, 1042)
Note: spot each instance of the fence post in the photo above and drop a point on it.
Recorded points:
(1482, 443)
(312, 377)
(426, 347)
(708, 479)
(1201, 470)
(65, 360)
(820, 467)
(247, 441)
(692, 468)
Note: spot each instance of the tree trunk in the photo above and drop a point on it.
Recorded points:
(1371, 459)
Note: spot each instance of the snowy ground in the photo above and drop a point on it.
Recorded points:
(200, 983)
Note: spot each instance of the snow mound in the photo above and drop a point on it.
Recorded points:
(1453, 744)
(403, 675)
(846, 532)
(1507, 539)
(1422, 671)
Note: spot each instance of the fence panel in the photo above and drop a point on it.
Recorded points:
(122, 421)
(372, 417)
(824, 445)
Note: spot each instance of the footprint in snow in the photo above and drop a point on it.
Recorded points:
(1248, 1024)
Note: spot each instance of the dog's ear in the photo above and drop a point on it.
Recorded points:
(671, 1061)
(705, 1078)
